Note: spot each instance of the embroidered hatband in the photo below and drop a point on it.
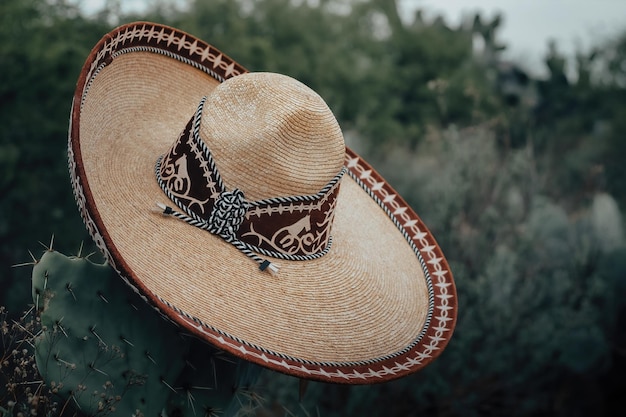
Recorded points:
(292, 228)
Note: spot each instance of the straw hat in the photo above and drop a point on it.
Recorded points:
(230, 202)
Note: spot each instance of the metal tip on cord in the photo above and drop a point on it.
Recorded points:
(268, 266)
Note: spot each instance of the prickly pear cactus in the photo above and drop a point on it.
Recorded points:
(107, 352)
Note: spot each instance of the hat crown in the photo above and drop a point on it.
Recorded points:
(271, 135)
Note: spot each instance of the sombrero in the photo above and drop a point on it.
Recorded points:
(229, 201)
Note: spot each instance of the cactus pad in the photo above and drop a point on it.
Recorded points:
(108, 352)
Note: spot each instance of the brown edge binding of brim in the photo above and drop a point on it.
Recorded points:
(443, 299)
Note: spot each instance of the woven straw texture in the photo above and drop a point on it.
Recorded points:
(367, 301)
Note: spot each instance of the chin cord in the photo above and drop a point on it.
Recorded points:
(264, 264)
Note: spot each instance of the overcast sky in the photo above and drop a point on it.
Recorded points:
(529, 24)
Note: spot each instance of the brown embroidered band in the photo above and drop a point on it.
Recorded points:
(293, 228)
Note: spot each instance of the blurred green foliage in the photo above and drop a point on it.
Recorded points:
(520, 178)
(42, 48)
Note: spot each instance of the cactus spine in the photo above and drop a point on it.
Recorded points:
(109, 353)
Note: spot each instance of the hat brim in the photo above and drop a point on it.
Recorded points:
(380, 305)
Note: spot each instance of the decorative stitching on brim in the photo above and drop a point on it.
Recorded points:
(437, 311)
(441, 316)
